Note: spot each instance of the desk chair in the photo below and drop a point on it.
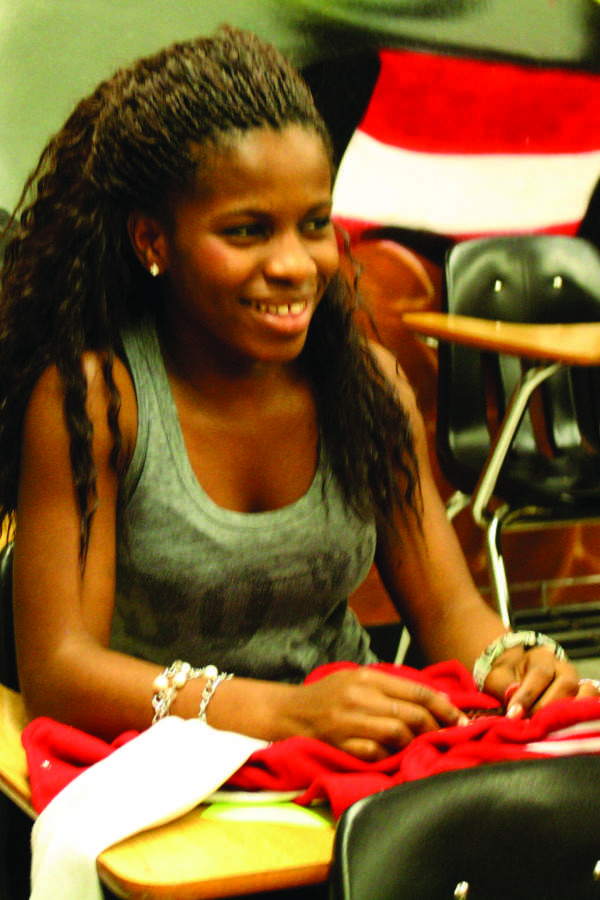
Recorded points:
(518, 417)
(527, 830)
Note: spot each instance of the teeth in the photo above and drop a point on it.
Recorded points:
(285, 309)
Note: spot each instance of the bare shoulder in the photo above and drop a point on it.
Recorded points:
(395, 375)
(44, 419)
(98, 398)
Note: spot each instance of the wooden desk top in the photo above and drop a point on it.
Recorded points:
(200, 856)
(575, 344)
(14, 781)
(219, 850)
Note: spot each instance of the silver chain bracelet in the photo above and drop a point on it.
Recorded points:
(213, 679)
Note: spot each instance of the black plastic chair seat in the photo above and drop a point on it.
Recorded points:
(527, 830)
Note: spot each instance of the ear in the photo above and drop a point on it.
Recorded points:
(149, 241)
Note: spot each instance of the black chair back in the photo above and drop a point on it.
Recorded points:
(555, 457)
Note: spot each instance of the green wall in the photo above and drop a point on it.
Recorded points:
(52, 52)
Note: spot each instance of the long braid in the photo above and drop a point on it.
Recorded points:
(367, 433)
(55, 307)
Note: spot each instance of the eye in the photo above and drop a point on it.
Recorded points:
(316, 224)
(245, 231)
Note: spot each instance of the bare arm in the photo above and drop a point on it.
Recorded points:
(426, 575)
(63, 617)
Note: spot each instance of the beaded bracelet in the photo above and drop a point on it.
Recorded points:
(213, 680)
(168, 684)
(175, 677)
(527, 639)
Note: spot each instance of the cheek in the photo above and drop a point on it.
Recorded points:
(327, 253)
(215, 262)
(201, 276)
(330, 261)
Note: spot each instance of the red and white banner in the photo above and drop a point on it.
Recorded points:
(464, 147)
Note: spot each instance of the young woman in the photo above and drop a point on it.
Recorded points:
(202, 454)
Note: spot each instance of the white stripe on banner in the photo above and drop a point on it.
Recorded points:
(462, 194)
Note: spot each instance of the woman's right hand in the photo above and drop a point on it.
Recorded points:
(370, 713)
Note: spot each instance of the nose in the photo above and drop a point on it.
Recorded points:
(289, 259)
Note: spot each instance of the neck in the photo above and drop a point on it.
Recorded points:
(222, 380)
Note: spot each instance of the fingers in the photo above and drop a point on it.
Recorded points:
(389, 734)
(528, 681)
(539, 682)
(391, 711)
(365, 749)
(561, 686)
(414, 705)
(588, 687)
(415, 709)
(371, 713)
(431, 709)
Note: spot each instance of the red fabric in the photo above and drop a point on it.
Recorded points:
(443, 104)
(57, 753)
(342, 779)
(447, 110)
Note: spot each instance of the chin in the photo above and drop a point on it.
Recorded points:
(284, 353)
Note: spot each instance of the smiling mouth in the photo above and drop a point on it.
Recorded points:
(278, 309)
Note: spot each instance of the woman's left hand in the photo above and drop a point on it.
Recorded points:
(526, 680)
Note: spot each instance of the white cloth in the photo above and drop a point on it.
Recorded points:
(158, 776)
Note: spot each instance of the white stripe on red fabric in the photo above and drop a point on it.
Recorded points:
(463, 194)
(463, 147)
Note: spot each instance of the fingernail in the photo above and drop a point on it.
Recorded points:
(510, 691)
(463, 719)
(515, 711)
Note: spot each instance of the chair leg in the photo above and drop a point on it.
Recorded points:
(499, 581)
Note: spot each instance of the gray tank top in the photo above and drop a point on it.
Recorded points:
(260, 594)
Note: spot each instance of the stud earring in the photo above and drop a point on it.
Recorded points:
(154, 269)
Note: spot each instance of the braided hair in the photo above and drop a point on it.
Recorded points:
(70, 279)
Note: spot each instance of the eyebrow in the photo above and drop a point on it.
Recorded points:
(262, 211)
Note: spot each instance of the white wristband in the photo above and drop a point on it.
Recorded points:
(526, 639)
